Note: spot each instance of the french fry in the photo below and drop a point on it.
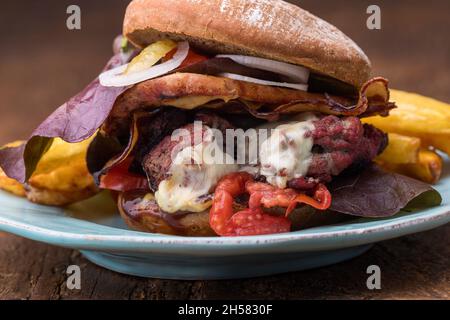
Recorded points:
(63, 168)
(401, 150)
(428, 168)
(418, 116)
(11, 185)
(61, 176)
(438, 141)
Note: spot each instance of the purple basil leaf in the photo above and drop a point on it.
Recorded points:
(75, 121)
(375, 193)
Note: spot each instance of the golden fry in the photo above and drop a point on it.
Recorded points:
(11, 185)
(418, 116)
(438, 141)
(428, 168)
(63, 168)
(59, 198)
(62, 176)
(401, 150)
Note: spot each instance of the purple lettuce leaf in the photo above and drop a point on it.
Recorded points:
(74, 121)
(375, 193)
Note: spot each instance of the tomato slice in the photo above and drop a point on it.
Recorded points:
(192, 58)
(120, 179)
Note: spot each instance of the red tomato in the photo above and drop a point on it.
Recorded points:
(120, 179)
(192, 58)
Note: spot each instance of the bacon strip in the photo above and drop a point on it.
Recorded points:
(373, 98)
(168, 90)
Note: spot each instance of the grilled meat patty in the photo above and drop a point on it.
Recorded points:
(342, 142)
(158, 161)
(339, 143)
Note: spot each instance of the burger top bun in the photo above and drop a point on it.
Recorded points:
(271, 29)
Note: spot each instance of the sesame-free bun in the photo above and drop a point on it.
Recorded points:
(196, 224)
(271, 29)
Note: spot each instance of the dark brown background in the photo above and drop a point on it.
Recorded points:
(42, 64)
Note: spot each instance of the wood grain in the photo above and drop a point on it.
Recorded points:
(42, 64)
(413, 267)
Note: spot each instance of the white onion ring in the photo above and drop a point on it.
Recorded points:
(116, 78)
(302, 87)
(296, 73)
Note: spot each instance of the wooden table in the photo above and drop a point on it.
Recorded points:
(42, 64)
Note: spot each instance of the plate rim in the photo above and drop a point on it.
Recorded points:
(100, 237)
(305, 240)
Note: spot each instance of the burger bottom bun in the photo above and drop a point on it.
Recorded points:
(190, 225)
(197, 224)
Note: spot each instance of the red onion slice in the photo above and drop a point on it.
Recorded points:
(117, 78)
(302, 87)
(296, 73)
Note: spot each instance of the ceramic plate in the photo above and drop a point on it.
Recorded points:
(95, 228)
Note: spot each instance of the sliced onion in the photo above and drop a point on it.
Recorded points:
(302, 87)
(296, 73)
(117, 78)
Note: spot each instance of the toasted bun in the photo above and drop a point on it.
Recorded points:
(191, 225)
(272, 29)
(197, 224)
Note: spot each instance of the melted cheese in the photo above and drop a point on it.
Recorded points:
(194, 174)
(192, 102)
(287, 153)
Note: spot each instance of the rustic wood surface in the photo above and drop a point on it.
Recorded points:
(42, 63)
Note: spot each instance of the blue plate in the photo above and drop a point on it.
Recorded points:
(95, 228)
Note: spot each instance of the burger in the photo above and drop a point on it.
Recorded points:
(230, 118)
(244, 65)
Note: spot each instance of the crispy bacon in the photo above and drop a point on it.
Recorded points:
(374, 92)
(254, 221)
(169, 89)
